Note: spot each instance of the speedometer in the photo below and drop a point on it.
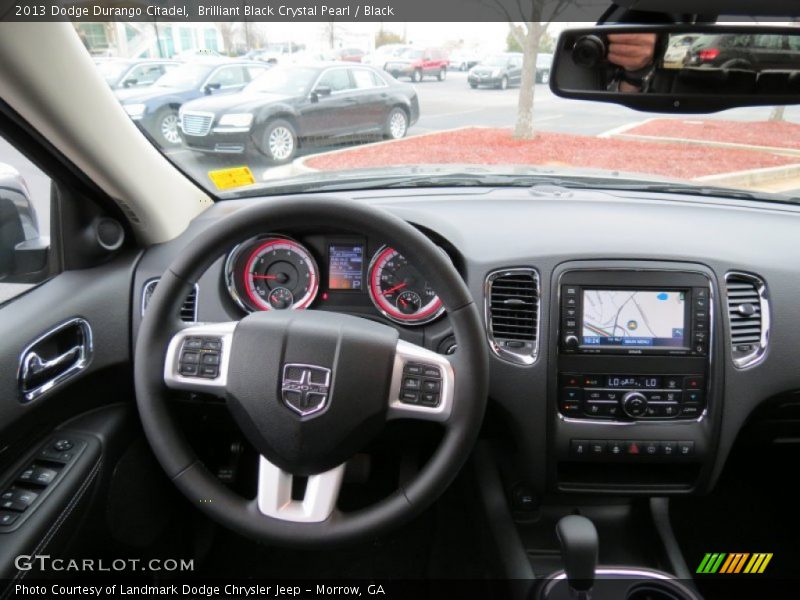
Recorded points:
(272, 273)
(399, 290)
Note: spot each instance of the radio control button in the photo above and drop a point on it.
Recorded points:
(693, 382)
(694, 396)
(634, 404)
(597, 447)
(571, 340)
(690, 409)
(701, 325)
(669, 448)
(633, 448)
(615, 448)
(685, 448)
(570, 312)
(570, 290)
(579, 447)
(650, 448)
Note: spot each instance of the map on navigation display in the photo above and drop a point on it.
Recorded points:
(633, 318)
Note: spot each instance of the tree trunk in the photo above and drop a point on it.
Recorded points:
(777, 113)
(524, 129)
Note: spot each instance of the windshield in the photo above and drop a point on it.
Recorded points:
(473, 112)
(184, 77)
(495, 61)
(111, 71)
(411, 54)
(283, 80)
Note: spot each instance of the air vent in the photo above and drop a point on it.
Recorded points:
(188, 312)
(748, 317)
(512, 314)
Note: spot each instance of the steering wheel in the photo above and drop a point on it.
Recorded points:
(307, 388)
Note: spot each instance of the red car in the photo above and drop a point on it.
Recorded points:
(416, 64)
(349, 54)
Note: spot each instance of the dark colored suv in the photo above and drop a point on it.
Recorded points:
(497, 71)
(745, 51)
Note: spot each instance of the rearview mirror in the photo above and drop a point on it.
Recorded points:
(679, 68)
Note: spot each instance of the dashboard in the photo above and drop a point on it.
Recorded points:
(625, 358)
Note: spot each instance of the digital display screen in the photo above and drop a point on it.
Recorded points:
(346, 266)
(634, 318)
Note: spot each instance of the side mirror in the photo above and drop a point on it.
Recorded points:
(130, 82)
(23, 252)
(724, 67)
(320, 92)
(211, 88)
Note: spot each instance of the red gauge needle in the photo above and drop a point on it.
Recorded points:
(395, 288)
(265, 276)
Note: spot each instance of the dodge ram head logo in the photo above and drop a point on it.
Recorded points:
(305, 388)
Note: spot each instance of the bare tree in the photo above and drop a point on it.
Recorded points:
(528, 32)
(227, 31)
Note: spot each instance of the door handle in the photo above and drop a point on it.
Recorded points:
(33, 365)
(38, 375)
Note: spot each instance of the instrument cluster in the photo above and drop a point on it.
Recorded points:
(277, 272)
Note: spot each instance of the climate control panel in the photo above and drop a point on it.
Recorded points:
(631, 397)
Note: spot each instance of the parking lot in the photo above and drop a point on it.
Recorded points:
(444, 105)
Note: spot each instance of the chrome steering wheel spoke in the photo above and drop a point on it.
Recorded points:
(198, 358)
(422, 386)
(275, 494)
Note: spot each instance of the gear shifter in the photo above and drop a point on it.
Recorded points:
(578, 538)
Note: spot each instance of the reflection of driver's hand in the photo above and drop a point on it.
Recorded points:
(631, 51)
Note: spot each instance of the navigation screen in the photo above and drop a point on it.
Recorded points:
(633, 318)
(346, 267)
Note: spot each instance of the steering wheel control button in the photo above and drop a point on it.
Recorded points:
(431, 385)
(210, 358)
(413, 369)
(200, 357)
(409, 397)
(193, 343)
(411, 384)
(189, 370)
(429, 399)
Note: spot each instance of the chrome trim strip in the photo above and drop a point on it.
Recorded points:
(709, 357)
(411, 322)
(508, 355)
(154, 281)
(623, 573)
(756, 356)
(172, 375)
(274, 497)
(84, 358)
(411, 353)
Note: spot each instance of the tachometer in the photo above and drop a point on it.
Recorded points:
(272, 273)
(399, 290)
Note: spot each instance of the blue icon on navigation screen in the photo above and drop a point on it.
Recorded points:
(663, 296)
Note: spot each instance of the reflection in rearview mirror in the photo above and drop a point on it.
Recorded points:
(695, 70)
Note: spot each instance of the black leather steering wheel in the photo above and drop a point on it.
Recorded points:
(309, 388)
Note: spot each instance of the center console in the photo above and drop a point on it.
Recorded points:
(633, 380)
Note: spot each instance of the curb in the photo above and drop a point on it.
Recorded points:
(752, 177)
(678, 140)
(302, 167)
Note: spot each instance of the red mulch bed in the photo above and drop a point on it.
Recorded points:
(777, 134)
(497, 147)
